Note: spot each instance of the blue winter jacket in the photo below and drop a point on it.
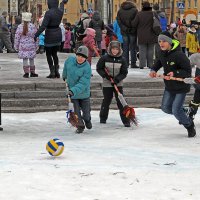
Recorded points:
(117, 31)
(77, 77)
(41, 39)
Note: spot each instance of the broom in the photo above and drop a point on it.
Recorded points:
(128, 111)
(72, 117)
(193, 80)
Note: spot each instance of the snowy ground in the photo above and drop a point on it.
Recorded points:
(155, 161)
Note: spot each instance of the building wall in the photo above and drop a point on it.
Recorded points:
(3, 6)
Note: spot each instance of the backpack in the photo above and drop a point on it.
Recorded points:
(156, 25)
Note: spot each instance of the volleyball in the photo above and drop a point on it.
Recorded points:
(55, 147)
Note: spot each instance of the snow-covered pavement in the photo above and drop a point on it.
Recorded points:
(154, 161)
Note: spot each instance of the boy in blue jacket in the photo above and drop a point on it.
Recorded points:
(77, 74)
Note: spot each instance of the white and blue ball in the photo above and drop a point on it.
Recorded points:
(55, 147)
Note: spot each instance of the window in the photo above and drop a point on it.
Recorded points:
(189, 3)
(195, 3)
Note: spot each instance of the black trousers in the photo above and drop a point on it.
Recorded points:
(196, 98)
(51, 54)
(108, 95)
(0, 108)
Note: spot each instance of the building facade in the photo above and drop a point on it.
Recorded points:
(174, 9)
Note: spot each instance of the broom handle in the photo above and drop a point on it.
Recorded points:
(112, 81)
(171, 78)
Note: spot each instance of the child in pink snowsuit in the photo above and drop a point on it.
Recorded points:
(89, 42)
(25, 44)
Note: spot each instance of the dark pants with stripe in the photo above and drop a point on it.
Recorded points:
(108, 95)
(0, 108)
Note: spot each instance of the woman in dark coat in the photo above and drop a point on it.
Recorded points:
(143, 23)
(98, 25)
(53, 35)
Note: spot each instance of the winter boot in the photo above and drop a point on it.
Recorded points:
(79, 130)
(191, 130)
(52, 72)
(57, 71)
(26, 71)
(88, 125)
(192, 110)
(127, 124)
(33, 74)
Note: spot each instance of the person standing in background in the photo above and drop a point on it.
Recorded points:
(53, 35)
(125, 15)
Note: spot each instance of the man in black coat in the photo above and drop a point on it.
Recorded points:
(125, 15)
(53, 35)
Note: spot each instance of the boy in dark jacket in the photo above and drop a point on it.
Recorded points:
(175, 64)
(194, 104)
(118, 70)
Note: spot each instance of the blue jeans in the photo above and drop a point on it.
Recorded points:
(130, 44)
(173, 104)
(84, 106)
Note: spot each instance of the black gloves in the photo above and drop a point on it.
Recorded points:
(35, 39)
(65, 1)
(70, 93)
(116, 81)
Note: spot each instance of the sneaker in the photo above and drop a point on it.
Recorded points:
(33, 75)
(88, 125)
(102, 121)
(127, 125)
(191, 130)
(79, 130)
(26, 75)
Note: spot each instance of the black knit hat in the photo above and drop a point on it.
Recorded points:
(165, 36)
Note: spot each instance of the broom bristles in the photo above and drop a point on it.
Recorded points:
(129, 113)
(72, 118)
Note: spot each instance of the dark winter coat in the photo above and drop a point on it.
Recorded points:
(18, 21)
(98, 25)
(116, 65)
(125, 15)
(51, 22)
(177, 62)
(143, 23)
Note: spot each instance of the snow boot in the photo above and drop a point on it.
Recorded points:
(79, 130)
(127, 125)
(102, 121)
(26, 75)
(57, 74)
(192, 110)
(26, 71)
(52, 72)
(88, 125)
(33, 74)
(191, 130)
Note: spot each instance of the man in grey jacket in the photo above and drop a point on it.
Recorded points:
(5, 34)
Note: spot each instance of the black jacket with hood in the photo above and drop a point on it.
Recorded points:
(98, 25)
(177, 62)
(116, 65)
(51, 22)
(125, 15)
